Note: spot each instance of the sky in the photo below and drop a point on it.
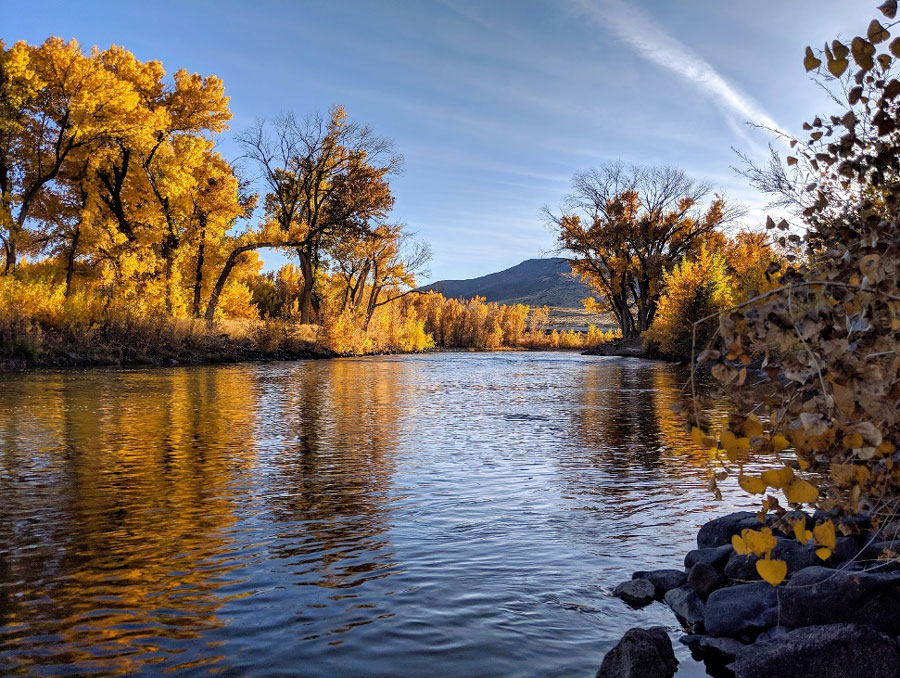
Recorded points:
(494, 104)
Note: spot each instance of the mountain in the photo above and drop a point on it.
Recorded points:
(536, 282)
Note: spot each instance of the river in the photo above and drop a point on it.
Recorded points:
(455, 514)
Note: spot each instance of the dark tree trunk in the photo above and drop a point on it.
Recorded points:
(70, 261)
(198, 275)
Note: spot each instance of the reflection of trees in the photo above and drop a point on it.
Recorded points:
(115, 509)
(331, 480)
(626, 428)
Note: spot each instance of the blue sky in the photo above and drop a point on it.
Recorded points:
(493, 103)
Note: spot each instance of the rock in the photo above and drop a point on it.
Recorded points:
(845, 550)
(746, 608)
(721, 650)
(636, 592)
(663, 580)
(642, 653)
(832, 651)
(687, 606)
(719, 531)
(705, 579)
(742, 568)
(772, 633)
(820, 596)
(716, 556)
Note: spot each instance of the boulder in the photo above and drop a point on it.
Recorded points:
(719, 650)
(663, 580)
(687, 606)
(820, 596)
(741, 568)
(642, 653)
(716, 556)
(705, 579)
(742, 609)
(719, 531)
(636, 592)
(831, 651)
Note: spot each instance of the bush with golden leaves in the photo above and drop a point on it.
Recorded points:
(813, 365)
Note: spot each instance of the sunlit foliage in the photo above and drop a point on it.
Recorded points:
(824, 412)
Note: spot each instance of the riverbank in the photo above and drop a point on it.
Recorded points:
(833, 617)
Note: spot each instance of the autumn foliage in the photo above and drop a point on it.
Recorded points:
(812, 366)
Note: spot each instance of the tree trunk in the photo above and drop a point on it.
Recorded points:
(70, 261)
(306, 294)
(198, 275)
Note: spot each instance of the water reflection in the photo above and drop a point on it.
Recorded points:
(369, 517)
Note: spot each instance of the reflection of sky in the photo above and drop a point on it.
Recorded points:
(494, 105)
(353, 516)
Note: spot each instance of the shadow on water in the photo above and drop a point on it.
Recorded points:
(359, 516)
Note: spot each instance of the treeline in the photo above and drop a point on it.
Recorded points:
(121, 221)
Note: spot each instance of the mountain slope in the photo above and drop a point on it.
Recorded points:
(536, 282)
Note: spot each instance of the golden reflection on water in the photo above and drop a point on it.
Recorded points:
(167, 520)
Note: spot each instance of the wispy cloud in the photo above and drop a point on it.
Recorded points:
(649, 40)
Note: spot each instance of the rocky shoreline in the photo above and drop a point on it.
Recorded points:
(837, 618)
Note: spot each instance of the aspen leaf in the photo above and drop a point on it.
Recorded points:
(876, 32)
(825, 535)
(801, 492)
(752, 484)
(779, 442)
(810, 61)
(895, 47)
(739, 546)
(823, 553)
(837, 67)
(839, 49)
(778, 478)
(760, 542)
(773, 571)
(801, 533)
(701, 439)
(753, 426)
(888, 8)
(862, 51)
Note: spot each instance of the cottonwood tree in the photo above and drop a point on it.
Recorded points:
(325, 179)
(624, 226)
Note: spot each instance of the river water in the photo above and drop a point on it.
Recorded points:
(454, 514)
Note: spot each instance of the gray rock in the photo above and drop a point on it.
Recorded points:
(742, 568)
(642, 653)
(687, 606)
(716, 556)
(746, 608)
(832, 651)
(636, 592)
(845, 550)
(819, 596)
(663, 580)
(719, 531)
(705, 579)
(721, 650)
(772, 633)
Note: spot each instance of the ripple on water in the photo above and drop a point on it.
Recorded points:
(460, 514)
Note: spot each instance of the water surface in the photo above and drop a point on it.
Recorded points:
(457, 515)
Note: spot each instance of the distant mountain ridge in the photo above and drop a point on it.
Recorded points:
(535, 282)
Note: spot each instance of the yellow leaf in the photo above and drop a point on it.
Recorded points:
(773, 571)
(739, 546)
(759, 542)
(752, 484)
(778, 478)
(801, 533)
(780, 442)
(801, 492)
(825, 535)
(853, 440)
(863, 51)
(810, 62)
(802, 463)
(753, 426)
(823, 553)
